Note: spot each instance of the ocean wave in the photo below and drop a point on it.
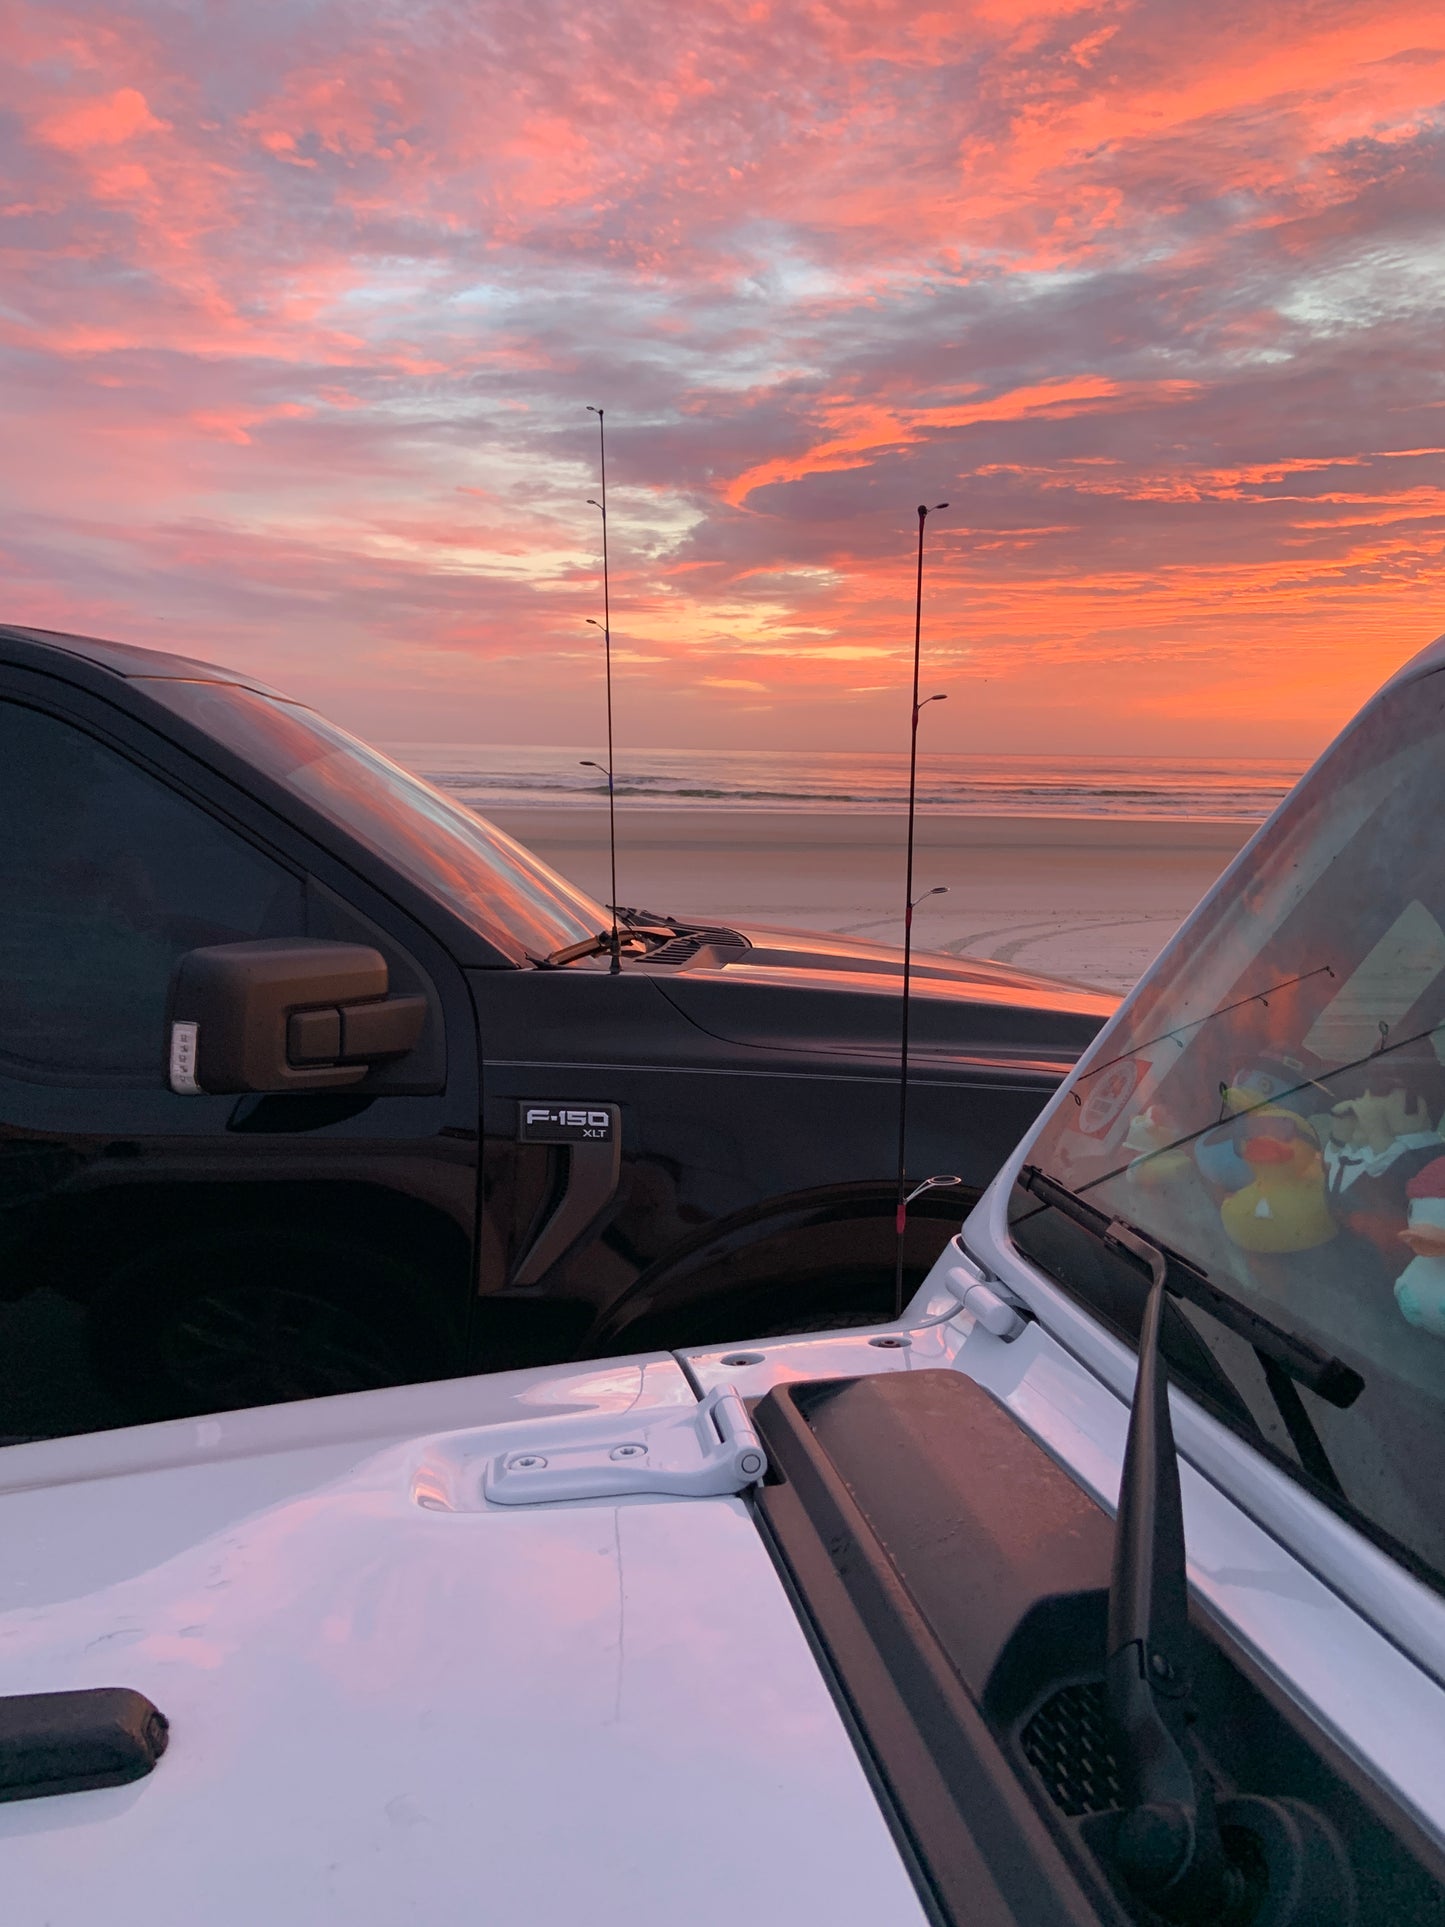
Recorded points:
(496, 778)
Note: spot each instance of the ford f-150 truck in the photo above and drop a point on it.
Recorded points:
(1106, 1588)
(312, 1080)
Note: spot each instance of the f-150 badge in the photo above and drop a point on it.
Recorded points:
(565, 1123)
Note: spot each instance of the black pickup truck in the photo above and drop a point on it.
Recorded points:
(312, 1080)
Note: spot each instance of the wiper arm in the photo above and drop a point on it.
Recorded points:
(1168, 1839)
(1167, 1844)
(1330, 1378)
(635, 919)
(600, 945)
(570, 952)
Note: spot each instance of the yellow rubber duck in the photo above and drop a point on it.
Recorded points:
(1158, 1160)
(1284, 1208)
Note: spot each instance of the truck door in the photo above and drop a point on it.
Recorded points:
(165, 1253)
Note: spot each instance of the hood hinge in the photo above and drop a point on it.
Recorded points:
(705, 1451)
(985, 1297)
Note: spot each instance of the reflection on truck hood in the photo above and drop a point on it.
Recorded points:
(777, 946)
(850, 995)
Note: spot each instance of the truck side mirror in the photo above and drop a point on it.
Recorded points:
(284, 1014)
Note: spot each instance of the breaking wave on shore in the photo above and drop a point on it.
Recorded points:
(498, 777)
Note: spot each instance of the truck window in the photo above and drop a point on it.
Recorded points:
(466, 863)
(107, 876)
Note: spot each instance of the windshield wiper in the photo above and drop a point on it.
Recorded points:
(638, 919)
(570, 952)
(637, 935)
(598, 946)
(1167, 1843)
(1319, 1371)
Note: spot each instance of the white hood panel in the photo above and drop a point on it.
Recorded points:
(383, 1713)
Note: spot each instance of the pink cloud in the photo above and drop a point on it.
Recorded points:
(107, 120)
(304, 306)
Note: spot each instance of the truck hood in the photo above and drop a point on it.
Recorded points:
(851, 989)
(392, 1701)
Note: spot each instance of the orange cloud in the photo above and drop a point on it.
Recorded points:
(876, 429)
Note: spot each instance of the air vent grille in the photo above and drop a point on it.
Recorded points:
(686, 944)
(1069, 1743)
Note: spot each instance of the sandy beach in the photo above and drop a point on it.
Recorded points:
(1092, 898)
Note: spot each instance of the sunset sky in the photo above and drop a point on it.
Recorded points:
(303, 303)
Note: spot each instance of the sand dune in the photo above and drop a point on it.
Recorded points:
(1093, 898)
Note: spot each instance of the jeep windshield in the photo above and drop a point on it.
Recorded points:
(1270, 1106)
(481, 875)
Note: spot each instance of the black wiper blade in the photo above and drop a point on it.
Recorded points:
(635, 919)
(598, 946)
(570, 952)
(1319, 1371)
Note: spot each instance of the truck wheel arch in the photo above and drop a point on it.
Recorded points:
(801, 1255)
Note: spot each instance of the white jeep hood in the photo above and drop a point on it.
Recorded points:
(385, 1708)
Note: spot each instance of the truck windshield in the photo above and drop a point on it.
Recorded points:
(1271, 1105)
(480, 875)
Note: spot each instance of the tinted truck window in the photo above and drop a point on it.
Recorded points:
(107, 876)
(466, 863)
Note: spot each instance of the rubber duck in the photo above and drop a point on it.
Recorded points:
(1218, 1159)
(1158, 1158)
(1420, 1287)
(1282, 1082)
(1283, 1208)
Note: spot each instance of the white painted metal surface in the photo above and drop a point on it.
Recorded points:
(354, 1424)
(389, 1706)
(932, 1332)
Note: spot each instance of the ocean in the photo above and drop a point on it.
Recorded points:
(493, 776)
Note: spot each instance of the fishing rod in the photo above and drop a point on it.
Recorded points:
(909, 906)
(606, 627)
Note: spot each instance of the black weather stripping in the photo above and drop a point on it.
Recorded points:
(68, 1742)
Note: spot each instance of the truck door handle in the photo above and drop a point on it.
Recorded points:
(592, 1137)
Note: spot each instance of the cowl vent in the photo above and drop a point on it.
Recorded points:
(1070, 1745)
(686, 945)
